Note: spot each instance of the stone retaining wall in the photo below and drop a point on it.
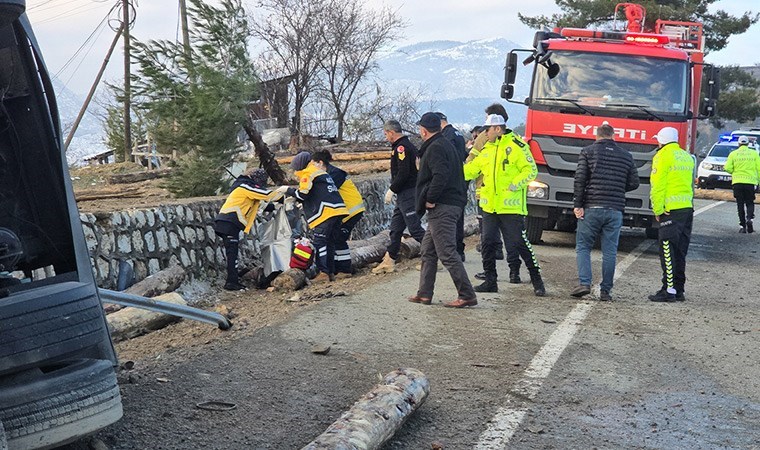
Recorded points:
(152, 239)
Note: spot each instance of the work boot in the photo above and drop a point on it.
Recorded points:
(743, 230)
(480, 275)
(538, 283)
(605, 296)
(387, 265)
(581, 290)
(750, 227)
(487, 286)
(323, 277)
(514, 276)
(662, 296)
(234, 286)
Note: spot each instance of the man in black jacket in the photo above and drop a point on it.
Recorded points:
(604, 174)
(457, 140)
(440, 194)
(403, 185)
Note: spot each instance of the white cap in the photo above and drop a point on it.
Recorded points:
(667, 135)
(743, 140)
(494, 120)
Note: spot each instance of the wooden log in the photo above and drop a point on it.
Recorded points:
(266, 157)
(133, 322)
(161, 282)
(376, 417)
(410, 248)
(125, 178)
(367, 251)
(290, 280)
(352, 156)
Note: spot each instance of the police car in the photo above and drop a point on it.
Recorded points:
(711, 172)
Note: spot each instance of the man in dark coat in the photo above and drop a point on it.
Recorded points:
(440, 195)
(604, 174)
(457, 140)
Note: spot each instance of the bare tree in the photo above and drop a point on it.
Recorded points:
(294, 35)
(357, 34)
(369, 114)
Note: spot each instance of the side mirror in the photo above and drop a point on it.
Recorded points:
(510, 74)
(711, 82)
(707, 107)
(10, 10)
(507, 91)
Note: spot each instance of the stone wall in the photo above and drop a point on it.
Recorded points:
(152, 239)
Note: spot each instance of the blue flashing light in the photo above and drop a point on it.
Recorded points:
(727, 137)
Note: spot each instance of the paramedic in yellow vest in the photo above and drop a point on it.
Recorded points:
(237, 215)
(744, 166)
(355, 206)
(323, 207)
(507, 167)
(671, 196)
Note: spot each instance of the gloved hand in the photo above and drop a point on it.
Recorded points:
(480, 141)
(389, 197)
(512, 187)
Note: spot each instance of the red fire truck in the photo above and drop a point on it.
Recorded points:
(637, 81)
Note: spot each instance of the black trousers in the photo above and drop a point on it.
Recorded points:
(745, 200)
(674, 237)
(341, 235)
(460, 235)
(404, 216)
(325, 245)
(231, 246)
(512, 229)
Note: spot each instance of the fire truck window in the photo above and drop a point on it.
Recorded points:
(608, 81)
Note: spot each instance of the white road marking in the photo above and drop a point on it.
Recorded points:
(508, 418)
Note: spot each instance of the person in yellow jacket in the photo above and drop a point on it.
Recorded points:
(506, 164)
(237, 215)
(323, 207)
(355, 206)
(744, 166)
(671, 195)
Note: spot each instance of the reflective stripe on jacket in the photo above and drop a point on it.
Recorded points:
(744, 166)
(241, 206)
(348, 191)
(502, 163)
(319, 195)
(672, 179)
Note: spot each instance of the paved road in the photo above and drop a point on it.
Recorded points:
(515, 372)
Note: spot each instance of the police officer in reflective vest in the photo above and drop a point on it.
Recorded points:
(507, 167)
(744, 166)
(672, 194)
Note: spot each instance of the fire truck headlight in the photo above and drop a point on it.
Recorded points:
(538, 190)
(707, 166)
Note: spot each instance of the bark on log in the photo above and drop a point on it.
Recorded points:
(410, 248)
(125, 178)
(133, 322)
(266, 157)
(290, 280)
(367, 251)
(353, 156)
(377, 416)
(162, 282)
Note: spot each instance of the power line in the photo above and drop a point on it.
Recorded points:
(98, 27)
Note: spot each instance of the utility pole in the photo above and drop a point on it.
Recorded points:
(185, 30)
(127, 83)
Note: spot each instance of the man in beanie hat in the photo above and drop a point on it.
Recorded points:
(237, 215)
(671, 195)
(744, 166)
(323, 207)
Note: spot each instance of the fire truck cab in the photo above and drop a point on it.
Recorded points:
(636, 81)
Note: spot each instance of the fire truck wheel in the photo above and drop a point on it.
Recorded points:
(534, 228)
(55, 405)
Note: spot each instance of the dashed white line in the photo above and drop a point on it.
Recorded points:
(508, 418)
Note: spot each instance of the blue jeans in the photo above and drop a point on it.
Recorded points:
(598, 221)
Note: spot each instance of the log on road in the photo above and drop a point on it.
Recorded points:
(377, 416)
(133, 322)
(367, 251)
(290, 280)
(162, 282)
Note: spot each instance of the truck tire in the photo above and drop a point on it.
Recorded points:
(61, 319)
(652, 232)
(534, 228)
(60, 404)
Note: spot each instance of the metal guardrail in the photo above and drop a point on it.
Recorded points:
(151, 304)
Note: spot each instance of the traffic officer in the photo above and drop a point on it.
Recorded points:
(403, 185)
(237, 215)
(355, 206)
(323, 207)
(507, 167)
(744, 166)
(671, 196)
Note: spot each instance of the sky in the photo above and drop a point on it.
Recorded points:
(63, 26)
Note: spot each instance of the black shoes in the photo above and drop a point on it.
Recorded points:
(234, 287)
(605, 296)
(514, 277)
(581, 290)
(486, 287)
(663, 296)
(743, 230)
(480, 275)
(750, 227)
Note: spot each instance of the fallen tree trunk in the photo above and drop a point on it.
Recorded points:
(133, 322)
(377, 416)
(367, 251)
(266, 157)
(162, 282)
(354, 156)
(290, 280)
(410, 248)
(125, 178)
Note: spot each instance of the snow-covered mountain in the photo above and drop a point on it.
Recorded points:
(88, 139)
(462, 78)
